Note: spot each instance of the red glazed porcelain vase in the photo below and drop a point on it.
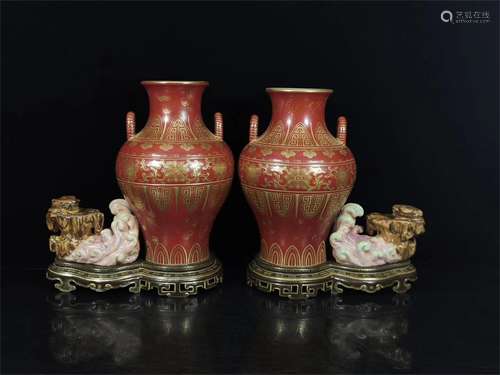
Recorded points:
(296, 177)
(175, 173)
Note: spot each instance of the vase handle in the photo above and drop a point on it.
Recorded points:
(219, 125)
(130, 125)
(342, 129)
(254, 128)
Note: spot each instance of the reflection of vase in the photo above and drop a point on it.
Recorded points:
(290, 336)
(296, 177)
(183, 333)
(331, 335)
(175, 173)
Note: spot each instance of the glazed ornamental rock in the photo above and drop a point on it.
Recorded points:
(296, 177)
(175, 173)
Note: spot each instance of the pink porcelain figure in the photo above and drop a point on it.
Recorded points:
(114, 246)
(352, 248)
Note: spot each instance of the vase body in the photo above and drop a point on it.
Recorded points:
(175, 174)
(296, 178)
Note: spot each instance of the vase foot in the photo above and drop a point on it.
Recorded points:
(294, 283)
(181, 281)
(331, 277)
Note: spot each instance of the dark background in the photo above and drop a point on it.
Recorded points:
(421, 97)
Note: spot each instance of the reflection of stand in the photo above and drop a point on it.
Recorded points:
(344, 334)
(331, 277)
(84, 329)
(372, 332)
(172, 281)
(83, 332)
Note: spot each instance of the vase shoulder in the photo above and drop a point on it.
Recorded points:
(307, 169)
(160, 129)
(300, 134)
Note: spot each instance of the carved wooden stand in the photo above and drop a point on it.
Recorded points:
(178, 281)
(331, 277)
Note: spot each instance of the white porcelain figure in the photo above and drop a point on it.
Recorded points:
(114, 246)
(351, 248)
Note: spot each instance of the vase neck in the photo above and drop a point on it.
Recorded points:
(175, 111)
(298, 118)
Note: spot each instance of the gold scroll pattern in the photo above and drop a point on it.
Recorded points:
(176, 131)
(282, 176)
(274, 135)
(323, 137)
(195, 196)
(312, 204)
(168, 171)
(299, 135)
(148, 198)
(162, 197)
(280, 203)
(291, 256)
(287, 204)
(177, 255)
(260, 151)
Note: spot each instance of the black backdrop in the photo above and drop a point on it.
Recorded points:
(421, 97)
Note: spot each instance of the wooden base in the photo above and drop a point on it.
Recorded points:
(171, 281)
(331, 277)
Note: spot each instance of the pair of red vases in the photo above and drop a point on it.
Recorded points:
(176, 174)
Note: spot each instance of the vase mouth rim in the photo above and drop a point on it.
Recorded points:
(194, 83)
(299, 90)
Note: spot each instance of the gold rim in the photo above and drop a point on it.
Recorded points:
(205, 83)
(295, 89)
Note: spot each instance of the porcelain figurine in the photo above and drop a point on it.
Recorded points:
(351, 247)
(393, 243)
(114, 246)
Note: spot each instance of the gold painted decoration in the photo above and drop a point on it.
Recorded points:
(399, 228)
(312, 205)
(274, 134)
(162, 196)
(301, 136)
(175, 255)
(281, 203)
(73, 223)
(291, 256)
(174, 171)
(194, 197)
(324, 138)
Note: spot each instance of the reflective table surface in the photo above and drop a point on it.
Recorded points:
(234, 329)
